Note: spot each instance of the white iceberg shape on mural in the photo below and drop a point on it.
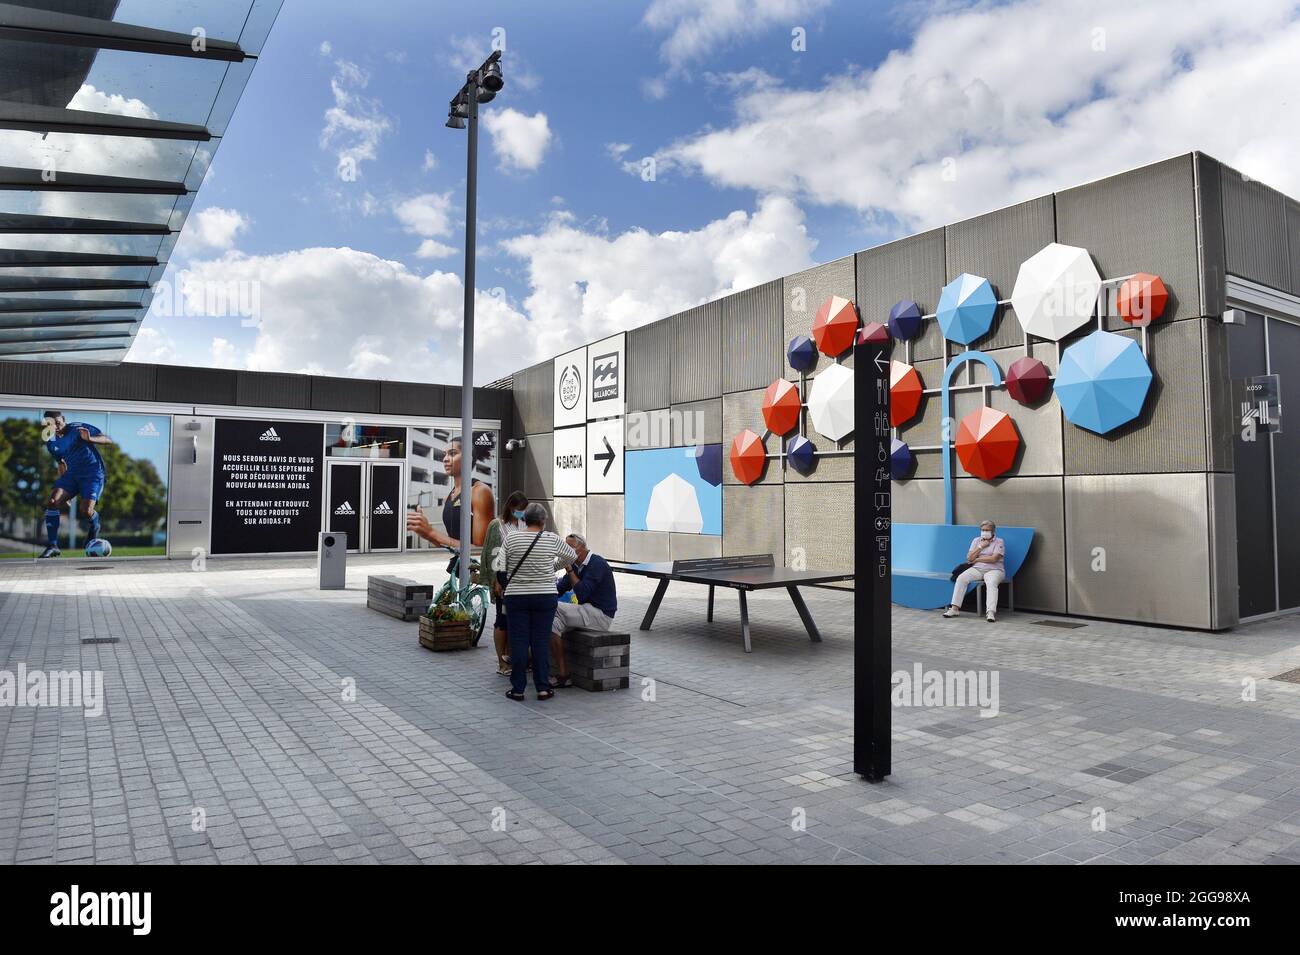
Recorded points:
(674, 506)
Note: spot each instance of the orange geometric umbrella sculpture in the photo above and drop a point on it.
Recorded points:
(905, 391)
(781, 404)
(987, 443)
(748, 455)
(1142, 299)
(835, 325)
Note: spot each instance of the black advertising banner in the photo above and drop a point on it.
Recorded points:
(345, 503)
(386, 520)
(266, 486)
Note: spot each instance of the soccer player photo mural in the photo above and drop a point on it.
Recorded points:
(83, 483)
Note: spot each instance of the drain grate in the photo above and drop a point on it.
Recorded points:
(1058, 624)
(93, 640)
(1290, 676)
(100, 567)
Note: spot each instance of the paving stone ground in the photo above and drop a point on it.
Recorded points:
(228, 701)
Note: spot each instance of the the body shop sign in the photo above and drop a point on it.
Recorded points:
(570, 388)
(266, 486)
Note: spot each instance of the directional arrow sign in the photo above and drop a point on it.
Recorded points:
(607, 456)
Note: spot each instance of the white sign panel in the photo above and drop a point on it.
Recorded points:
(606, 377)
(570, 478)
(571, 388)
(605, 457)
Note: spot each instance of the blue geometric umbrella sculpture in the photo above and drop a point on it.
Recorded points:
(1102, 382)
(708, 461)
(966, 308)
(801, 453)
(904, 319)
(802, 353)
(901, 460)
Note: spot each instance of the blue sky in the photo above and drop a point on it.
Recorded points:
(767, 158)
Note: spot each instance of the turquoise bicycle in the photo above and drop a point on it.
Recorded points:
(473, 599)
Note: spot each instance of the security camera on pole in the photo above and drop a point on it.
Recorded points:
(481, 86)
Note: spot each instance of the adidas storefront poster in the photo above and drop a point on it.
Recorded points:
(268, 479)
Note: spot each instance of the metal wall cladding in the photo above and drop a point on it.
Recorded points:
(1169, 434)
(741, 410)
(753, 520)
(694, 546)
(1040, 425)
(1219, 419)
(695, 371)
(649, 360)
(1223, 551)
(646, 547)
(1284, 351)
(696, 422)
(198, 386)
(267, 390)
(412, 398)
(753, 345)
(539, 465)
(993, 246)
(534, 391)
(912, 268)
(570, 515)
(1036, 502)
(127, 381)
(647, 429)
(1152, 531)
(1255, 231)
(803, 294)
(918, 501)
(351, 395)
(1214, 265)
(1143, 220)
(605, 525)
(819, 525)
(1293, 242)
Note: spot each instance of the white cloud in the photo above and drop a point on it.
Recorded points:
(225, 355)
(152, 347)
(1023, 101)
(433, 249)
(430, 161)
(698, 29)
(520, 140)
(355, 124)
(214, 228)
(326, 47)
(428, 214)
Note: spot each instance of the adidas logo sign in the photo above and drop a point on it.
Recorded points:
(344, 508)
(148, 431)
(484, 440)
(269, 435)
(382, 508)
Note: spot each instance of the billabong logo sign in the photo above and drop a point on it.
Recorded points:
(269, 435)
(382, 508)
(604, 377)
(345, 509)
(131, 909)
(570, 388)
(148, 431)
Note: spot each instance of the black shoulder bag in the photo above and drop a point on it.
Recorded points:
(503, 578)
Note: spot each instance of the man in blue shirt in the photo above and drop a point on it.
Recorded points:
(81, 474)
(594, 602)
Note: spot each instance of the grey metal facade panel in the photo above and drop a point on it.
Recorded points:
(1040, 426)
(1143, 220)
(694, 546)
(695, 371)
(605, 525)
(570, 515)
(646, 547)
(268, 390)
(1169, 434)
(993, 246)
(911, 268)
(1223, 551)
(1153, 533)
(349, 395)
(410, 398)
(741, 410)
(1293, 242)
(1214, 265)
(753, 520)
(696, 422)
(918, 501)
(649, 364)
(803, 293)
(753, 343)
(1036, 502)
(1255, 231)
(206, 386)
(128, 381)
(539, 466)
(647, 429)
(534, 395)
(819, 525)
(1219, 418)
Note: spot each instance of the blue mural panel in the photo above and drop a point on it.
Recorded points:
(665, 491)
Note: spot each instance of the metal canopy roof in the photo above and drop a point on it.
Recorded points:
(110, 113)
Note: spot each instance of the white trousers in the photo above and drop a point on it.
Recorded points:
(572, 616)
(973, 575)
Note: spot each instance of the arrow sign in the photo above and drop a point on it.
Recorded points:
(876, 359)
(607, 456)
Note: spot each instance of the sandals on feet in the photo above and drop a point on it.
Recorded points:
(512, 695)
(545, 694)
(560, 682)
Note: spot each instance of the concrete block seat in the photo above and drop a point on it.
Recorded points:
(925, 554)
(598, 659)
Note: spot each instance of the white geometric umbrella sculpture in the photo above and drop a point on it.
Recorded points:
(674, 507)
(830, 402)
(1056, 291)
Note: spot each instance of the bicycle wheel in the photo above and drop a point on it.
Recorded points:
(476, 603)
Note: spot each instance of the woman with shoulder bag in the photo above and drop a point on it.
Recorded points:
(531, 560)
(511, 521)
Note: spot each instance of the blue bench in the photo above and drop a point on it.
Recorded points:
(925, 554)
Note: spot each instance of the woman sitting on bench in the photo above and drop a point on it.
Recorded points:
(986, 556)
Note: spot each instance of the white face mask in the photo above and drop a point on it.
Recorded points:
(987, 535)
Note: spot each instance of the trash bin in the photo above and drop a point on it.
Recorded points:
(332, 560)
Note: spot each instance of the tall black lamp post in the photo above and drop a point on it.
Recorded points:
(481, 86)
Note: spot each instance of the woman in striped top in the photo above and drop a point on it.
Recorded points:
(531, 558)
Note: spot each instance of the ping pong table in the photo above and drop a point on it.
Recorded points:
(741, 574)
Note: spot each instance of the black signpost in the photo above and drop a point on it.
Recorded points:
(871, 607)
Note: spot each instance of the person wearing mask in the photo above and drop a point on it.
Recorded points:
(481, 504)
(531, 559)
(510, 521)
(987, 558)
(595, 601)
